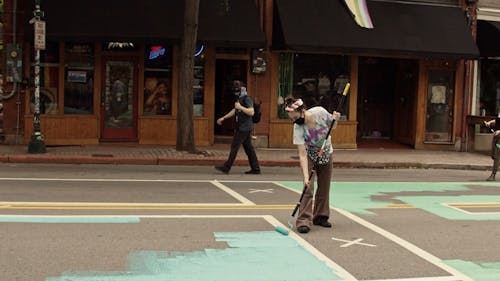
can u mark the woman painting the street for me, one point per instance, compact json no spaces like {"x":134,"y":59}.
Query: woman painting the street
{"x":310,"y":130}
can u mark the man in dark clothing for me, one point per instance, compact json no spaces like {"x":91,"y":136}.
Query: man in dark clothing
{"x":494,"y":125}
{"x":243,"y":110}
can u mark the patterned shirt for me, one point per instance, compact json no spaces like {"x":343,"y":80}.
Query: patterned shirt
{"x":313,"y":138}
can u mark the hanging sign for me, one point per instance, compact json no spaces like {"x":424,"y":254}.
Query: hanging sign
{"x":39,"y":35}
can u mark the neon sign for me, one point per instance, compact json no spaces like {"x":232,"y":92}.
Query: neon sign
{"x":199,"y":50}
{"x":156,"y":51}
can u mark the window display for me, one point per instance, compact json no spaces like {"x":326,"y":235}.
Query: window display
{"x":489,"y":100}
{"x":199,"y":80}
{"x":158,"y":80}
{"x":317,"y":79}
{"x":79,"y":78}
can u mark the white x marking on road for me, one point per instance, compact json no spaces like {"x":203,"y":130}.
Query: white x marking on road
{"x":253,"y":190}
{"x":350,"y":243}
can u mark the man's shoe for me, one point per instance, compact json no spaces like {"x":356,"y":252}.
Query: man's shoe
{"x":491,"y":178}
{"x":254,"y":172}
{"x":322,"y":222}
{"x":222,"y":169}
{"x":303,"y":229}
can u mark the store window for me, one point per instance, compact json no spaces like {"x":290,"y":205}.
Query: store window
{"x":158,"y":80}
{"x":489,"y":97}
{"x":79,"y":78}
{"x":316,"y":79}
{"x":49,"y":79}
{"x":1,"y":25}
{"x":199,"y":80}
{"x":440,"y":101}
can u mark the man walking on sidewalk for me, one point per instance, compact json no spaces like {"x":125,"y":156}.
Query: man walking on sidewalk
{"x":243,"y":110}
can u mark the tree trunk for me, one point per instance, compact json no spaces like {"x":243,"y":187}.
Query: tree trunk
{"x":185,"y":121}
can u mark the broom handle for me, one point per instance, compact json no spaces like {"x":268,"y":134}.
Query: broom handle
{"x":346,"y":89}
{"x":302,"y":195}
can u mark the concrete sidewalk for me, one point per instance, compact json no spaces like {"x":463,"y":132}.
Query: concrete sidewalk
{"x":217,"y":154}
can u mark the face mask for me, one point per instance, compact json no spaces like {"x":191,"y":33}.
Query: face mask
{"x":237,"y":91}
{"x":299,"y":121}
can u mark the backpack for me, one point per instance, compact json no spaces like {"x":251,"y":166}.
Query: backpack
{"x":256,"y":110}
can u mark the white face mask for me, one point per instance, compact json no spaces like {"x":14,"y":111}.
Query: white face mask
{"x":240,"y":92}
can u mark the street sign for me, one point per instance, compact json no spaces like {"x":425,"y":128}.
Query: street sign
{"x":39,"y":35}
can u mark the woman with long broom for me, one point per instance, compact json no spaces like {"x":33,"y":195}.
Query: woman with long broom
{"x":311,"y":131}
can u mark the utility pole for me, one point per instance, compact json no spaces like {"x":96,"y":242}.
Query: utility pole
{"x":37,"y":143}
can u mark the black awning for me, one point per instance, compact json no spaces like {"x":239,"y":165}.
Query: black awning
{"x":402,"y":29}
{"x":111,"y":19}
{"x":488,"y":38}
{"x":149,"y":20}
{"x":239,"y":26}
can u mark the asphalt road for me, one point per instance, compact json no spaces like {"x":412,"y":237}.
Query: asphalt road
{"x":136,"y":223}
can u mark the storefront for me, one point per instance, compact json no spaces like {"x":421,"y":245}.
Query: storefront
{"x":486,"y":99}
{"x":110,"y":69}
{"x":407,"y":74}
{"x":113,"y":76}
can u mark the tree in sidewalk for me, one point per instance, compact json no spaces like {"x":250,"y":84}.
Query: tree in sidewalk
{"x":185,"y":122}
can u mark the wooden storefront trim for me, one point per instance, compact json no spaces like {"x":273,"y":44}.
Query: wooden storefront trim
{"x":64,"y":130}
{"x":155,"y":130}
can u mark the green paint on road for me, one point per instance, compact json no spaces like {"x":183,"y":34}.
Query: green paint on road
{"x":257,"y":256}
{"x":477,"y":271}
{"x":68,"y":219}
{"x":357,"y":197}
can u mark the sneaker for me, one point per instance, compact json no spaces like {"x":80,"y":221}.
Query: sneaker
{"x":303,"y":229}
{"x":222,"y":169}
{"x":254,"y":172}
{"x":491,"y":178}
{"x":322,"y":222}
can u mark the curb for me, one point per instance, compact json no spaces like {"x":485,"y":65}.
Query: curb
{"x":50,"y":159}
{"x":411,"y":165}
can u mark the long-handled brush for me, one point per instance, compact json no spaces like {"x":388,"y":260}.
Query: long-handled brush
{"x":296,"y":209}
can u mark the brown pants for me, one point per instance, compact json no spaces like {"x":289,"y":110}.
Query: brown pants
{"x":307,"y":213}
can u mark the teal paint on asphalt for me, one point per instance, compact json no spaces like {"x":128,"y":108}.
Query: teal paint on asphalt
{"x":485,"y":271}
{"x":256,"y":256}
{"x":68,"y":219}
{"x":356,"y":197}
{"x":434,"y":205}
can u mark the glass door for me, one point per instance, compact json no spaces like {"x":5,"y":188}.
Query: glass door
{"x":440,"y":103}
{"x":119,"y":100}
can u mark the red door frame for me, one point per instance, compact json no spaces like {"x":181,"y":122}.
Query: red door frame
{"x":119,"y":134}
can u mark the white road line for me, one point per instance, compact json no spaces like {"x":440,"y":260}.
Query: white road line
{"x":353,"y":242}
{"x":135,"y":216}
{"x":267,"y":190}
{"x":336,"y":268}
{"x":118,"y":204}
{"x":438,"y":278}
{"x":233,"y":193}
{"x":98,"y":180}
{"x":407,"y":245}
